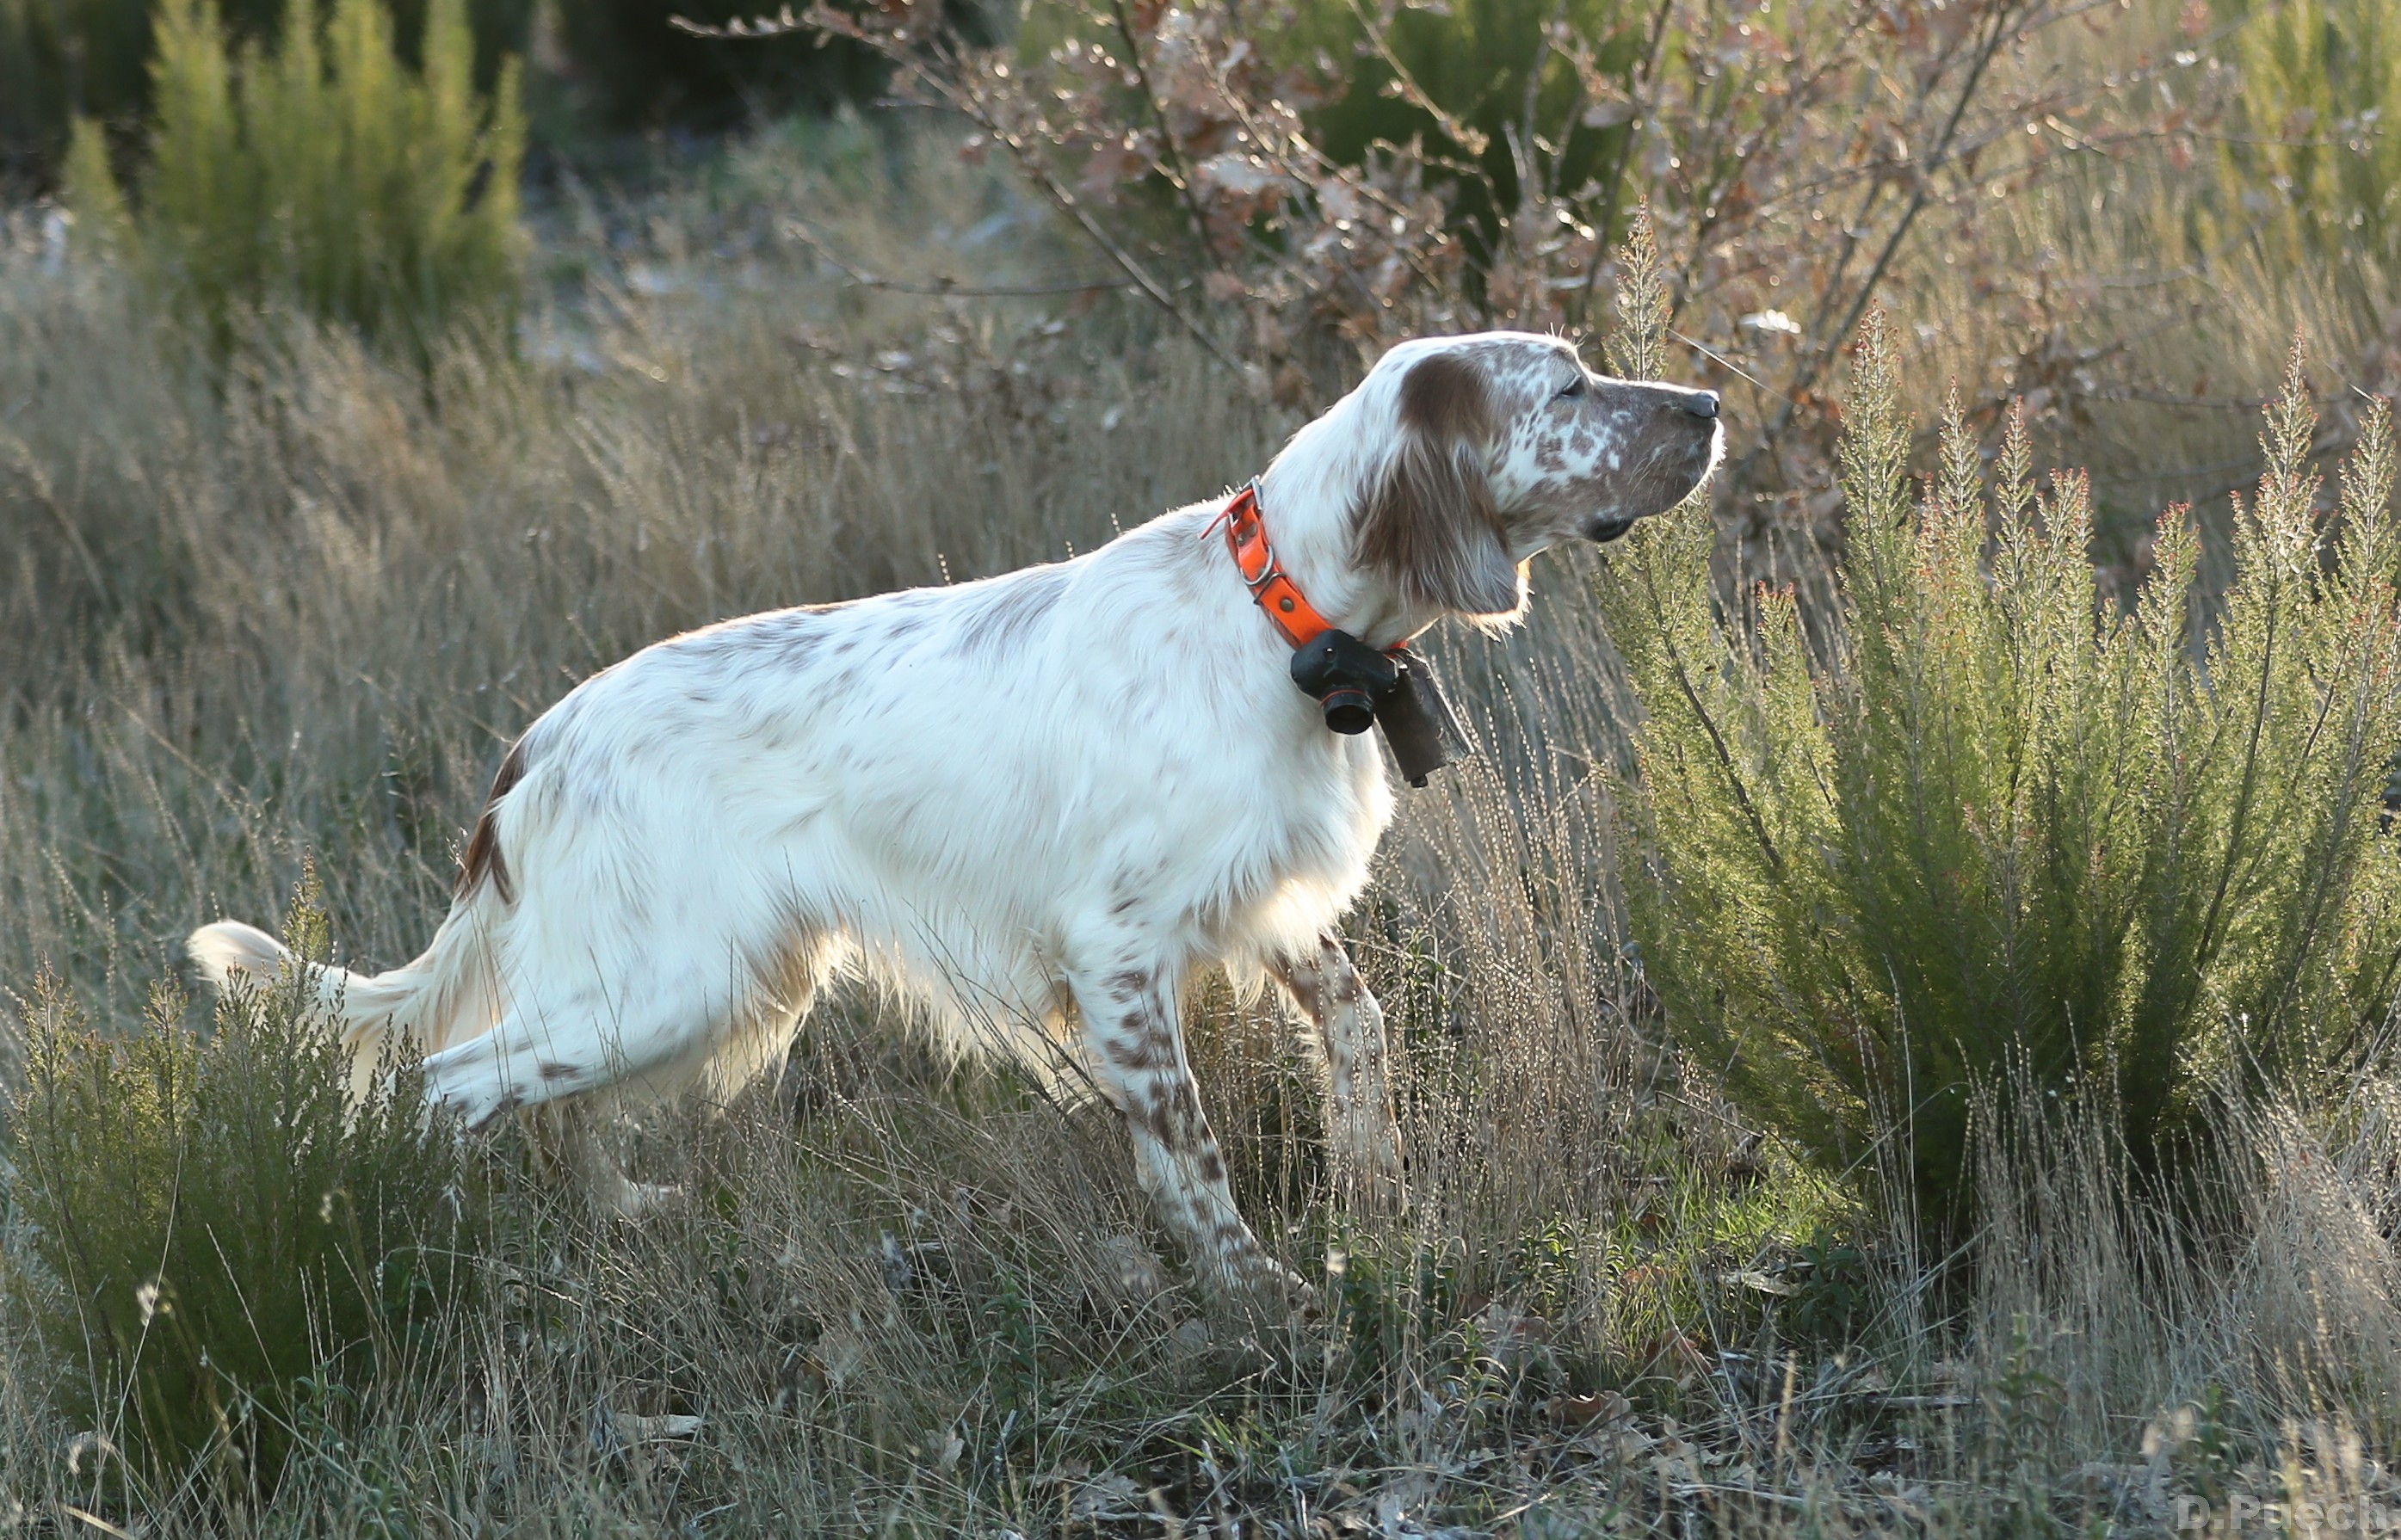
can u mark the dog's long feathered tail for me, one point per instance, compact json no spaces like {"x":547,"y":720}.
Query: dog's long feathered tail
{"x":443,"y":997}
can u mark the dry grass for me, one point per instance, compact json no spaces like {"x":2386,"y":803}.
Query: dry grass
{"x":301,"y":611}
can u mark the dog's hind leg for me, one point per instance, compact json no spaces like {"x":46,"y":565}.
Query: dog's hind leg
{"x":761,"y":1040}
{"x":566,"y":1144}
{"x":1130,"y":1021}
{"x":541,"y":1063}
{"x":1349,"y":1026}
{"x":639,"y":1038}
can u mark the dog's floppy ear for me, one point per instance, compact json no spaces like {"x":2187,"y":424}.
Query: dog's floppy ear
{"x":1427,"y":523}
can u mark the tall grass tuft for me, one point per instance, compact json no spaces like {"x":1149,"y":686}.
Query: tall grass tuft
{"x":1980,"y":832}
{"x":223,"y":1250}
{"x":327,"y":175}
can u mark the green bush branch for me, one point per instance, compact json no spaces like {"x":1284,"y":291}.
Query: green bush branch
{"x":327,"y":175}
{"x":225,"y":1230}
{"x":1998,"y":836}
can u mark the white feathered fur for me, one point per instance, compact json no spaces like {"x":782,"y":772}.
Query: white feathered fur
{"x":1028,"y":801}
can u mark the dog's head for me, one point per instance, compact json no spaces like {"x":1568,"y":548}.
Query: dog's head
{"x":1500,"y":444}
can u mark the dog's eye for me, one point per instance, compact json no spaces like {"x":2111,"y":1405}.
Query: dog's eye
{"x":1572,"y":392}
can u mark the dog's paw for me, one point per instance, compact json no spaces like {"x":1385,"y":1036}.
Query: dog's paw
{"x":1370,"y":1180}
{"x":627,"y":1199}
{"x":465,"y":1083}
{"x":1255,"y":1284}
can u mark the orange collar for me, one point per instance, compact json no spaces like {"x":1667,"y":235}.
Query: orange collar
{"x":1279,"y":598}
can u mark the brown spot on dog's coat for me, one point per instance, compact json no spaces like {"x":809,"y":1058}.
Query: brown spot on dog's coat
{"x":483,"y":857}
{"x":1443,"y":397}
{"x":1429,"y":523}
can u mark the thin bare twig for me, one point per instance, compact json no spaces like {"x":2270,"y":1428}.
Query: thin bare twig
{"x":1819,"y":356}
{"x":865,"y":279}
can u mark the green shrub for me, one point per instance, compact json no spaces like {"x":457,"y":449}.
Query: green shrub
{"x":327,"y":175}
{"x":60,"y":60}
{"x":226,"y":1245}
{"x":1991,"y":835}
{"x":2316,"y":170}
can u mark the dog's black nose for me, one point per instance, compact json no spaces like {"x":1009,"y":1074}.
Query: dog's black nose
{"x":1701,"y":404}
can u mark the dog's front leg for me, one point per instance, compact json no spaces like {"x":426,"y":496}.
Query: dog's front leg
{"x":1129,"y":1019}
{"x":1349,"y":1025}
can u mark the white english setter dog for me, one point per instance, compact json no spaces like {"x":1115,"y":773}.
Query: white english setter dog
{"x":1039,"y":800}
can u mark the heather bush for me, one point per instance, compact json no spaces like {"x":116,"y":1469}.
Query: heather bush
{"x":1975,"y":831}
{"x":220,"y":1245}
{"x":60,"y":60}
{"x":328,"y":175}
